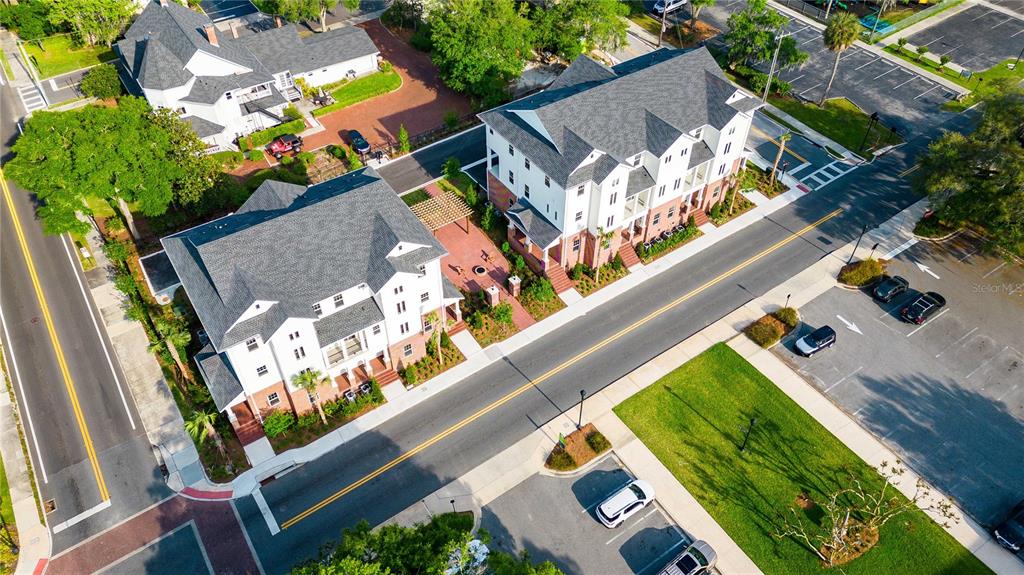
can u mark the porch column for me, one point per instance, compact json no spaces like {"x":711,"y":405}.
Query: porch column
{"x":369,"y":367}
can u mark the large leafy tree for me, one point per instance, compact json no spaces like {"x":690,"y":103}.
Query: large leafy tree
{"x":93,"y":21}
{"x":102,"y":82}
{"x":753,"y":33}
{"x":114,"y":154}
{"x":296,"y":10}
{"x":840,"y":33}
{"x":480,"y":45}
{"x":695,"y":8}
{"x":30,"y":19}
{"x":572,"y":28}
{"x":978,"y":178}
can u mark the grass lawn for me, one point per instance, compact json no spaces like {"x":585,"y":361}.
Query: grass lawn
{"x":982,"y":82}
{"x":653,"y":26}
{"x":362,"y":89}
{"x":7,"y":558}
{"x":59,"y":55}
{"x":691,"y":419}
{"x":8,"y":72}
{"x":416,"y":196}
{"x":839,"y":120}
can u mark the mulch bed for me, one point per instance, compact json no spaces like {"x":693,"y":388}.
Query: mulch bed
{"x":586,"y":284}
{"x":577,"y":448}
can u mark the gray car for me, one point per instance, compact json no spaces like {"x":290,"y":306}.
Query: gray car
{"x":697,"y":559}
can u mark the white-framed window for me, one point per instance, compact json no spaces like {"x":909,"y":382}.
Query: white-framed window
{"x":399,"y":289}
{"x":611,"y":221}
{"x":668,"y":158}
{"x":511,"y":150}
{"x":424,"y":297}
{"x":526,"y":190}
{"x":317,"y":310}
{"x":728,"y":147}
{"x":273,"y":399}
{"x":407,"y":350}
{"x":547,"y":208}
{"x":671,"y":211}
{"x":526,"y":163}
{"x":262,"y":370}
{"x":299,"y":352}
{"x":721,"y":169}
{"x":427,"y":326}
{"x":661,"y":190}
{"x":490,"y":131}
{"x":579,"y":216}
{"x":615,"y":182}
{"x":657,"y":219}
{"x":636,"y":160}
{"x":252,"y":344}
{"x":227,"y":96}
{"x":677,"y":183}
{"x":423,"y":269}
{"x":579,"y":190}
{"x":293,"y":336}
{"x":547,"y":182}
{"x":339,"y":300}
{"x":376,"y":329}
{"x":732,"y":130}
{"x":613,"y":198}
{"x":401,"y":307}
{"x":511,"y":177}
{"x":576,"y":245}
{"x":404,"y":328}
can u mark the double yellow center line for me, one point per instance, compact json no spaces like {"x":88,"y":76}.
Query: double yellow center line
{"x":549,"y":374}
{"x":61,"y":362}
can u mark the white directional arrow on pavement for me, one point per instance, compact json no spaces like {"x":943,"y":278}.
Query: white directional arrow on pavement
{"x":927,"y":270}
{"x":850,"y":325}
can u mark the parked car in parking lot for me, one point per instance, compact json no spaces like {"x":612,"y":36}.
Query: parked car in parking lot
{"x":819,"y":339}
{"x":889,"y":287}
{"x":923,"y":307}
{"x":284,"y":144}
{"x":1010,"y":533}
{"x":669,"y":6}
{"x":624,"y":503}
{"x":699,"y":558}
{"x":359,"y":143}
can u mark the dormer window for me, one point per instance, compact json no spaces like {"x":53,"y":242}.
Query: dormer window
{"x":228,"y":96}
{"x":423,"y":269}
{"x":252,"y":344}
{"x":339,"y":300}
{"x":317,"y":310}
{"x":636,"y":160}
{"x":579,"y":191}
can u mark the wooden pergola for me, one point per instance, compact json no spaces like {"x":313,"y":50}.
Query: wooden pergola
{"x":441,"y":210}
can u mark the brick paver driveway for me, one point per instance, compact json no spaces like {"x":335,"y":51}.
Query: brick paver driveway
{"x":421,"y":103}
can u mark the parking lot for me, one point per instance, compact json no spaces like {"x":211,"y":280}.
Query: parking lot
{"x":948,"y":396}
{"x":220,"y":10}
{"x":976,"y":38}
{"x":553,"y":518}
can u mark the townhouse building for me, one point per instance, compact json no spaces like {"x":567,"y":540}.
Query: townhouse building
{"x":629,"y":152}
{"x":230,"y":82}
{"x":339,"y":277}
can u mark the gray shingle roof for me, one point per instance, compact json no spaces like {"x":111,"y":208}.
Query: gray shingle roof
{"x":639,"y":180}
{"x":700,"y":154}
{"x":220,"y":377}
{"x":348,"y":321}
{"x":537,"y":227}
{"x":282,"y":48}
{"x":203,"y":127}
{"x":644,"y":104}
{"x":449,"y":290}
{"x":295,"y":246}
{"x":274,"y":98}
{"x":209,"y":89}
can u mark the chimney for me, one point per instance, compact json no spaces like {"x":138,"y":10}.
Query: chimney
{"x":163,"y":3}
{"x":234,"y":29}
{"x":277,"y":22}
{"x":211,"y":34}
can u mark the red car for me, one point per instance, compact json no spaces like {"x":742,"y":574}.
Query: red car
{"x":284,"y":144}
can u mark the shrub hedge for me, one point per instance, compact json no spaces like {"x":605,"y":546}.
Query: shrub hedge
{"x":861,"y":273}
{"x":598,"y":442}
{"x":278,"y":423}
{"x":788,"y":316}
{"x":765,"y":332}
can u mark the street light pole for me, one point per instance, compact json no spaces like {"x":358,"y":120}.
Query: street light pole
{"x":863,"y":231}
{"x":871,"y":124}
{"x":789,"y":295}
{"x":873,"y":248}
{"x":583,"y":395}
{"x":771,"y":69}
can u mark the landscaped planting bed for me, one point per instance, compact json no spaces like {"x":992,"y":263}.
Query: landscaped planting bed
{"x":285,"y":431}
{"x":676,"y":240}
{"x":488,"y":325}
{"x":428,"y":366}
{"x":578,"y":448}
{"x":754,"y":178}
{"x":734,"y":200}
{"x":587,"y":280}
{"x":694,"y":421}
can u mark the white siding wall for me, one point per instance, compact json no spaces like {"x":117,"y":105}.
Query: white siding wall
{"x":284,"y":348}
{"x":245,"y":363}
{"x":203,"y":64}
{"x":609,"y":200}
{"x":575,"y":203}
{"x":409,"y":288}
{"x":362,"y":66}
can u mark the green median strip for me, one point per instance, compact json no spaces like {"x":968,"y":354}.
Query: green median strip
{"x":694,"y":420}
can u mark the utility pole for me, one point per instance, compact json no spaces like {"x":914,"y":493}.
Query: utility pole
{"x":863,"y":231}
{"x":771,"y":70}
{"x":871,"y":124}
{"x":664,"y":14}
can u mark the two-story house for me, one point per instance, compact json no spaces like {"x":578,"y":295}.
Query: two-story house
{"x":227,"y":84}
{"x":339,"y":277}
{"x":629,"y":151}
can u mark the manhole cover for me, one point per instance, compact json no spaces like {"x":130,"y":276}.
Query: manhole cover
{"x":479,"y":270}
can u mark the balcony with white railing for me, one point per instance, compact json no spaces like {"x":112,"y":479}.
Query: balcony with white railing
{"x":637,"y":204}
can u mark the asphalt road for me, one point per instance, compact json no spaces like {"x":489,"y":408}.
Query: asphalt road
{"x":426,"y":164}
{"x":868,"y":195}
{"x":56,"y":440}
{"x":947,"y":396}
{"x":976,"y":38}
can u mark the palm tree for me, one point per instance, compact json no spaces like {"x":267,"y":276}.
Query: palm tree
{"x":174,"y":335}
{"x":200,"y":427}
{"x":840,"y":33}
{"x":778,"y":156}
{"x":310,"y":380}
{"x":883,"y":5}
{"x":695,"y":7}
{"x":604,"y":241}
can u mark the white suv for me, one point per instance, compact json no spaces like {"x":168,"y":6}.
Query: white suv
{"x":668,"y":6}
{"x":624,"y":503}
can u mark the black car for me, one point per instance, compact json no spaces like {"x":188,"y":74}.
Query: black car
{"x":817,"y":340}
{"x":1010,"y":533}
{"x":889,"y":287}
{"x":923,"y":307}
{"x":359,"y":143}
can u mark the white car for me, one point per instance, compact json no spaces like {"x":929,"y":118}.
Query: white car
{"x":698,"y":559}
{"x":624,"y":503}
{"x":667,"y":6}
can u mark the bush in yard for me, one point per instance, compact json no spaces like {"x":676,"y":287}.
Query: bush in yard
{"x":944,"y":59}
{"x":305,"y":157}
{"x":560,"y":460}
{"x":471,"y":197}
{"x":518,"y":263}
{"x":921,"y":51}
{"x":716,"y":211}
{"x":420,"y":39}
{"x":278,"y":422}
{"x":451,"y":119}
{"x":310,"y":419}
{"x":385,"y":66}
{"x":452,"y":168}
{"x":291,"y":112}
{"x":102,"y":82}
{"x":287,"y":160}
{"x":502,"y":313}
{"x":765,"y":332}
{"x":403,"y":139}
{"x":475,"y":320}
{"x":487,"y":219}
{"x":505,"y":248}
{"x":861,"y":273}
{"x":598,"y":442}
{"x":264,"y":137}
{"x":116,"y":250}
{"x":338,"y":152}
{"x":540,"y":290}
{"x":411,"y":377}
{"x":617,"y":264}
{"x":787,"y":316}
{"x":354,"y":163}
{"x":578,"y":272}
{"x":446,"y":341}
{"x":229,"y":159}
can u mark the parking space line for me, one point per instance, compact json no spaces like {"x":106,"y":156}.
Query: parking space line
{"x":994,"y":270}
{"x":893,"y":69}
{"x":1018,"y":33}
{"x":986,"y":362}
{"x":969,"y":254}
{"x":635,"y":523}
{"x":844,"y":378}
{"x":924,"y":325}
{"x":1001,"y":23}
{"x":867,"y":64}
{"x":660,"y":558}
{"x":1008,"y":392}
{"x":935,"y":40}
{"x":950,"y":346}
{"x":925,"y":92}
{"x":811,"y":88}
{"x":791,"y":80}
{"x":912,"y":78}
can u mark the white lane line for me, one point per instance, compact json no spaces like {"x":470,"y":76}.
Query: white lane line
{"x":798,"y":168}
{"x":925,"y":92}
{"x":994,"y":270}
{"x":969,"y":254}
{"x":844,"y":378}
{"x":23,"y":399}
{"x":893,"y":69}
{"x":245,"y":533}
{"x":867,"y":64}
{"x":899,"y":249}
{"x":986,"y":362}
{"x":635,"y":523}
{"x":65,"y":239}
{"x":912,"y":78}
{"x":191,"y":523}
{"x":928,"y":323}
{"x":268,"y":515}
{"x":1001,"y":23}
{"x":81,"y":516}
{"x":955,"y":343}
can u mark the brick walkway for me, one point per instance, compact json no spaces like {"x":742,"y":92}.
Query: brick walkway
{"x":421,"y":103}
{"x":220,"y":536}
{"x":465,"y":252}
